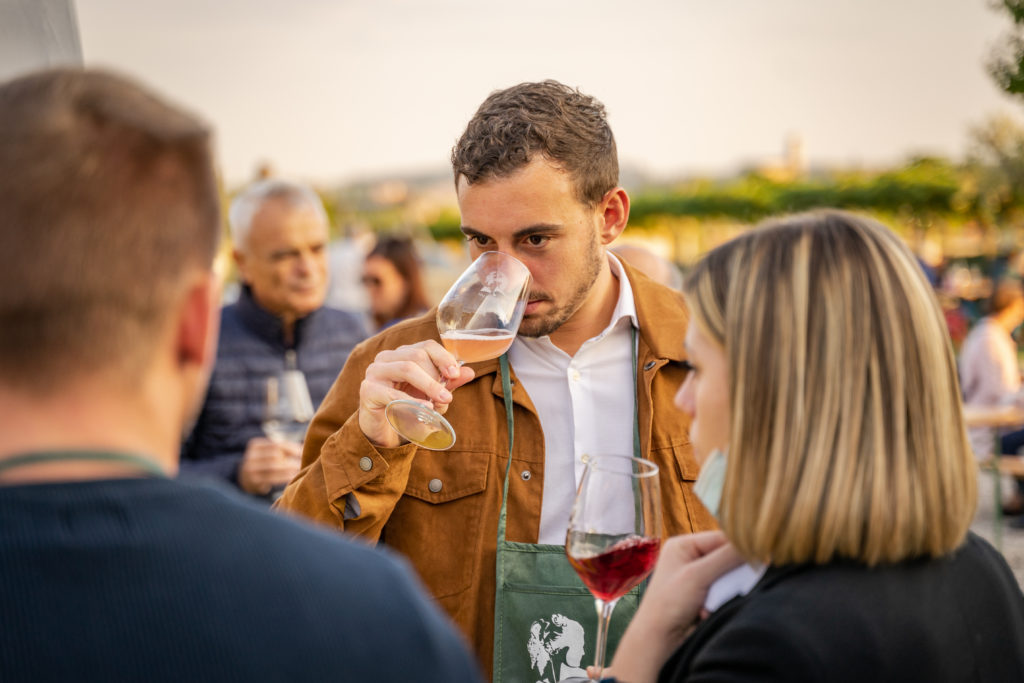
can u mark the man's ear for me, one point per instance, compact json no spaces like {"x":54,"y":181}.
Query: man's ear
{"x":614,"y":210}
{"x":239,"y":258}
{"x":198,"y":321}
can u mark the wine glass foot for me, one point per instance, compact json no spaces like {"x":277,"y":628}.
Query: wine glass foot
{"x":420,"y":425}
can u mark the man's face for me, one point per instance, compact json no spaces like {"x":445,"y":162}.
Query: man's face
{"x":284,"y":259}
{"x":535,"y":216}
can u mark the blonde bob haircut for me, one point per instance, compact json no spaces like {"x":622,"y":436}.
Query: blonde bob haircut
{"x":847,"y":437}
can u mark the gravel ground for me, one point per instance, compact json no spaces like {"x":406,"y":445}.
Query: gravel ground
{"x":984,"y":524}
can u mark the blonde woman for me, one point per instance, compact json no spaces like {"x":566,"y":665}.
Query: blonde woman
{"x":826,"y":412}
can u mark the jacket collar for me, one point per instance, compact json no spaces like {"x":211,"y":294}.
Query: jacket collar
{"x":265,"y":324}
{"x":660,"y":311}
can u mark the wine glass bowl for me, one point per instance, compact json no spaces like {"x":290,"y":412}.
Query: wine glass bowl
{"x":614,"y":533}
{"x":288,"y":407}
{"x":478,"y":319}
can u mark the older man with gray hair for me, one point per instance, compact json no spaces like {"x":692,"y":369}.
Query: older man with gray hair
{"x":279,"y":231}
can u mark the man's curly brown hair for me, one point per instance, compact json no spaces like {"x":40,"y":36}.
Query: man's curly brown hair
{"x":560,"y":123}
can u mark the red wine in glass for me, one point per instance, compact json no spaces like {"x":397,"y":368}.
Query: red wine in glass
{"x":613,"y":573}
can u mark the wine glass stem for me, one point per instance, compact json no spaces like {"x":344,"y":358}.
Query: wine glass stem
{"x":445,"y":381}
{"x":604,"y":617}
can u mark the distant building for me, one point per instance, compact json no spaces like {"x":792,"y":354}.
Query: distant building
{"x":792,"y":166}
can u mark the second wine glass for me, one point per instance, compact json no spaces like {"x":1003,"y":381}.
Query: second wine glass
{"x":478,"y":320}
{"x":614,"y":533}
{"x":287,"y":409}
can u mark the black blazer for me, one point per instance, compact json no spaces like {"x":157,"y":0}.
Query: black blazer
{"x":958,"y":618}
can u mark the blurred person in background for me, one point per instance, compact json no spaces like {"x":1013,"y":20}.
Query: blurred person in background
{"x":824,"y":409}
{"x":653,"y":265}
{"x":110,"y":570}
{"x":279,"y":232}
{"x":990,"y":374}
{"x":394,"y":282}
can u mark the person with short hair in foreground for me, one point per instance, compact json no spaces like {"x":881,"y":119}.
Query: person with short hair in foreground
{"x":826,"y":413}
{"x":111,"y":570}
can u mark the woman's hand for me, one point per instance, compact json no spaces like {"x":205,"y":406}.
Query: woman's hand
{"x":673,"y":603}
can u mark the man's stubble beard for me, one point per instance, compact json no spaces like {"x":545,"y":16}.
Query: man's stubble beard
{"x":548,"y":323}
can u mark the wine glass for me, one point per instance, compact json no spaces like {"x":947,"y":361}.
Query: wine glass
{"x":287,"y":409}
{"x":614,"y":532}
{"x":478,"y":319}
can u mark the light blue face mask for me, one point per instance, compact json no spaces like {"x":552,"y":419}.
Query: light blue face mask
{"x":711,"y":481}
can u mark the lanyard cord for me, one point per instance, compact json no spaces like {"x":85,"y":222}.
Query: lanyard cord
{"x":142,"y":463}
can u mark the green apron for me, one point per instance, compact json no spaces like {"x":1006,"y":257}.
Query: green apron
{"x":545,"y":619}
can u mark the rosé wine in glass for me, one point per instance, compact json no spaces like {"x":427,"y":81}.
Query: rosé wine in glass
{"x":478,"y":320}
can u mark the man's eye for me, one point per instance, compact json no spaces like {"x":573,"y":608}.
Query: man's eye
{"x":478,"y":240}
{"x":537,"y":240}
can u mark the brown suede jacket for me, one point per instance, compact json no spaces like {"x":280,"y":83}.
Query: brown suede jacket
{"x":440,"y":508}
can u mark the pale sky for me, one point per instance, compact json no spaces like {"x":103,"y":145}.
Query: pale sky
{"x":334,"y":90}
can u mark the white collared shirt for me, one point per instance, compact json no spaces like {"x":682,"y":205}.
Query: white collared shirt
{"x":585,"y":403}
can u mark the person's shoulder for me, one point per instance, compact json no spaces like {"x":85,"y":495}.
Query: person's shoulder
{"x":661,"y":313}
{"x":325,"y":579}
{"x":646,"y":289}
{"x":280,"y":535}
{"x":803,"y":591}
{"x":343,"y":319}
{"x":977,"y":558}
{"x":230,"y":318}
{"x":342,"y":315}
{"x":408,"y":331}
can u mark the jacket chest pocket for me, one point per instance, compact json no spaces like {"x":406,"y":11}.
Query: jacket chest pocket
{"x":683,"y":511}
{"x":437,"y":523}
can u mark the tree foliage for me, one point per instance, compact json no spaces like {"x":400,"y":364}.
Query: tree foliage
{"x":924,"y":187}
{"x":993,"y":183}
{"x":1007,"y":62}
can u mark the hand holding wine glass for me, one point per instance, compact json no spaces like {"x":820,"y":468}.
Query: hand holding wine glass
{"x":269,"y":464}
{"x":673,"y":603}
{"x":478,"y":319}
{"x":614,"y":533}
{"x":288,"y":407}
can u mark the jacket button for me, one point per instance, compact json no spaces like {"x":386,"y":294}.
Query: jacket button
{"x":526,"y":475}
{"x":434,"y":485}
{"x":649,"y":364}
{"x":365,"y":464}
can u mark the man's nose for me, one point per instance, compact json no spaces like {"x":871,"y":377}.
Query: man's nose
{"x":305,"y":264}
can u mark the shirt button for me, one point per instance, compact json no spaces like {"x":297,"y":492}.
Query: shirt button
{"x":434,"y":485}
{"x":575,"y":375}
{"x":365,"y":464}
{"x":649,"y":364}
{"x":526,"y":475}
